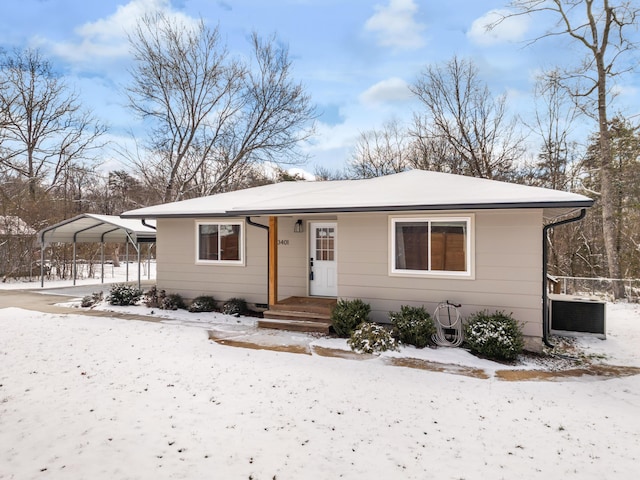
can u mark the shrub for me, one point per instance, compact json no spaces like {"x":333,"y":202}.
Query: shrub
{"x":203,"y":303}
{"x":413,"y":326}
{"x":234,"y":306}
{"x":122,"y":294}
{"x":497,"y":336}
{"x":153,"y":297}
{"x":371,"y":338}
{"x":173,"y":301}
{"x":91,"y":300}
{"x":348,"y":315}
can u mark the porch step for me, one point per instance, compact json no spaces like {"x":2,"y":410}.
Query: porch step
{"x":302,"y":314}
{"x":295,"y":315}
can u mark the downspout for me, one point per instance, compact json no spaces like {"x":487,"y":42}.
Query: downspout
{"x":545,"y":258}
{"x":144,"y":222}
{"x":265,"y":227}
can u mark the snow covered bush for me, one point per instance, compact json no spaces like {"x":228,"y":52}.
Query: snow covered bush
{"x":234,"y":306}
{"x":496,"y":335}
{"x":413,"y":326}
{"x":372,"y":338}
{"x":173,"y":301}
{"x":91,"y":300}
{"x":153,"y":297}
{"x":203,"y":303}
{"x":123,"y":294}
{"x":348,"y":315}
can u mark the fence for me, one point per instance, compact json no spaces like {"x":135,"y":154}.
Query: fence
{"x":599,"y":287}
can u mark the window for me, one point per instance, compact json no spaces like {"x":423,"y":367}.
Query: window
{"x":431,"y":246}
{"x":220,"y":243}
{"x":325,"y":243}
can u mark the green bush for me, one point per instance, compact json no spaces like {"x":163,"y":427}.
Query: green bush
{"x":372,"y":338}
{"x":497,"y":336}
{"x":413,"y":326}
{"x":348,"y":315}
{"x":234,"y":306}
{"x":203,"y":303}
{"x":173,"y":301}
{"x":122,"y":294}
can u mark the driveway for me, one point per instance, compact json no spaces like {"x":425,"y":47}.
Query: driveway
{"x":45,"y":301}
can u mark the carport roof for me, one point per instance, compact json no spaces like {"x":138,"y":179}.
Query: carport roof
{"x":93,"y":228}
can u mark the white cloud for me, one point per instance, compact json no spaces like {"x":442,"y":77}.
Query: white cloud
{"x":391,"y":90}
{"x":396,"y":26}
{"x":107,"y":37}
{"x":511,"y":29}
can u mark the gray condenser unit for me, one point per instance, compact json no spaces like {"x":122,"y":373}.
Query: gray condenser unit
{"x":577,"y":315}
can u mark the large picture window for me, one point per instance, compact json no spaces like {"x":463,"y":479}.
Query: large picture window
{"x":431,"y":246}
{"x":220,"y":242}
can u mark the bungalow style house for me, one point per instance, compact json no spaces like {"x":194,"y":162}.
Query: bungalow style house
{"x":412,"y":238}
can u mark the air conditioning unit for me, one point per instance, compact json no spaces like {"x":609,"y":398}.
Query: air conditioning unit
{"x":576,"y":315}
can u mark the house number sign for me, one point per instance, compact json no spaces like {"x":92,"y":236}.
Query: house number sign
{"x":283,"y":242}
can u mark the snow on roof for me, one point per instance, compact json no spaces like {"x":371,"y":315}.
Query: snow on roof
{"x":93,"y":228}
{"x":411,"y":190}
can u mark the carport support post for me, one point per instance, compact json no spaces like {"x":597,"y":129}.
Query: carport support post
{"x":42,"y":265}
{"x":126,"y":250}
{"x":139,"y":277}
{"x":273,"y":260}
{"x":73,"y":266}
{"x":102,"y":262}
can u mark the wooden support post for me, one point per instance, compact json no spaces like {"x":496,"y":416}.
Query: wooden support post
{"x":273,"y":260}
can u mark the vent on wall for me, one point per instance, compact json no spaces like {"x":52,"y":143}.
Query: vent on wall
{"x":576,"y":315}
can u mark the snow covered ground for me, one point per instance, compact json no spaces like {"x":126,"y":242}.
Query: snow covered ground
{"x":108,"y":398}
{"x":111,"y":275}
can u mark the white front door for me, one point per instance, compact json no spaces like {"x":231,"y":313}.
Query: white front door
{"x":323,"y":272}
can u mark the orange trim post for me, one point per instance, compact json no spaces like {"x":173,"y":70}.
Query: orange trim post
{"x":273,"y":260}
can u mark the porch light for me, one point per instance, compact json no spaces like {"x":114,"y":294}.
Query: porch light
{"x":297,"y":228}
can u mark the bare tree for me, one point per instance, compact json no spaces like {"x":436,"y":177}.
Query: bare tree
{"x":209,"y":112}
{"x":461,"y":110}
{"x":434,"y":153}
{"x":553,"y":122}
{"x":43,"y":128}
{"x":380,"y":152}
{"x":603,"y":30}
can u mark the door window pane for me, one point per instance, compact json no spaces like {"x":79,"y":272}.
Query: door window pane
{"x":325,"y":243}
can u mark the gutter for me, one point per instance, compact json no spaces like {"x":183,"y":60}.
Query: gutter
{"x":264,"y":227}
{"x":367,"y":209}
{"x":545,"y":257}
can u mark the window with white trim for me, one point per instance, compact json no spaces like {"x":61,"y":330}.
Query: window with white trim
{"x":220,"y":242}
{"x":431,"y":245}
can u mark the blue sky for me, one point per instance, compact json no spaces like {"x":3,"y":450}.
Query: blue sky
{"x":355,"y":57}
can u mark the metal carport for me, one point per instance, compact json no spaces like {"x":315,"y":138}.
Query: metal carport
{"x":93,"y":228}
